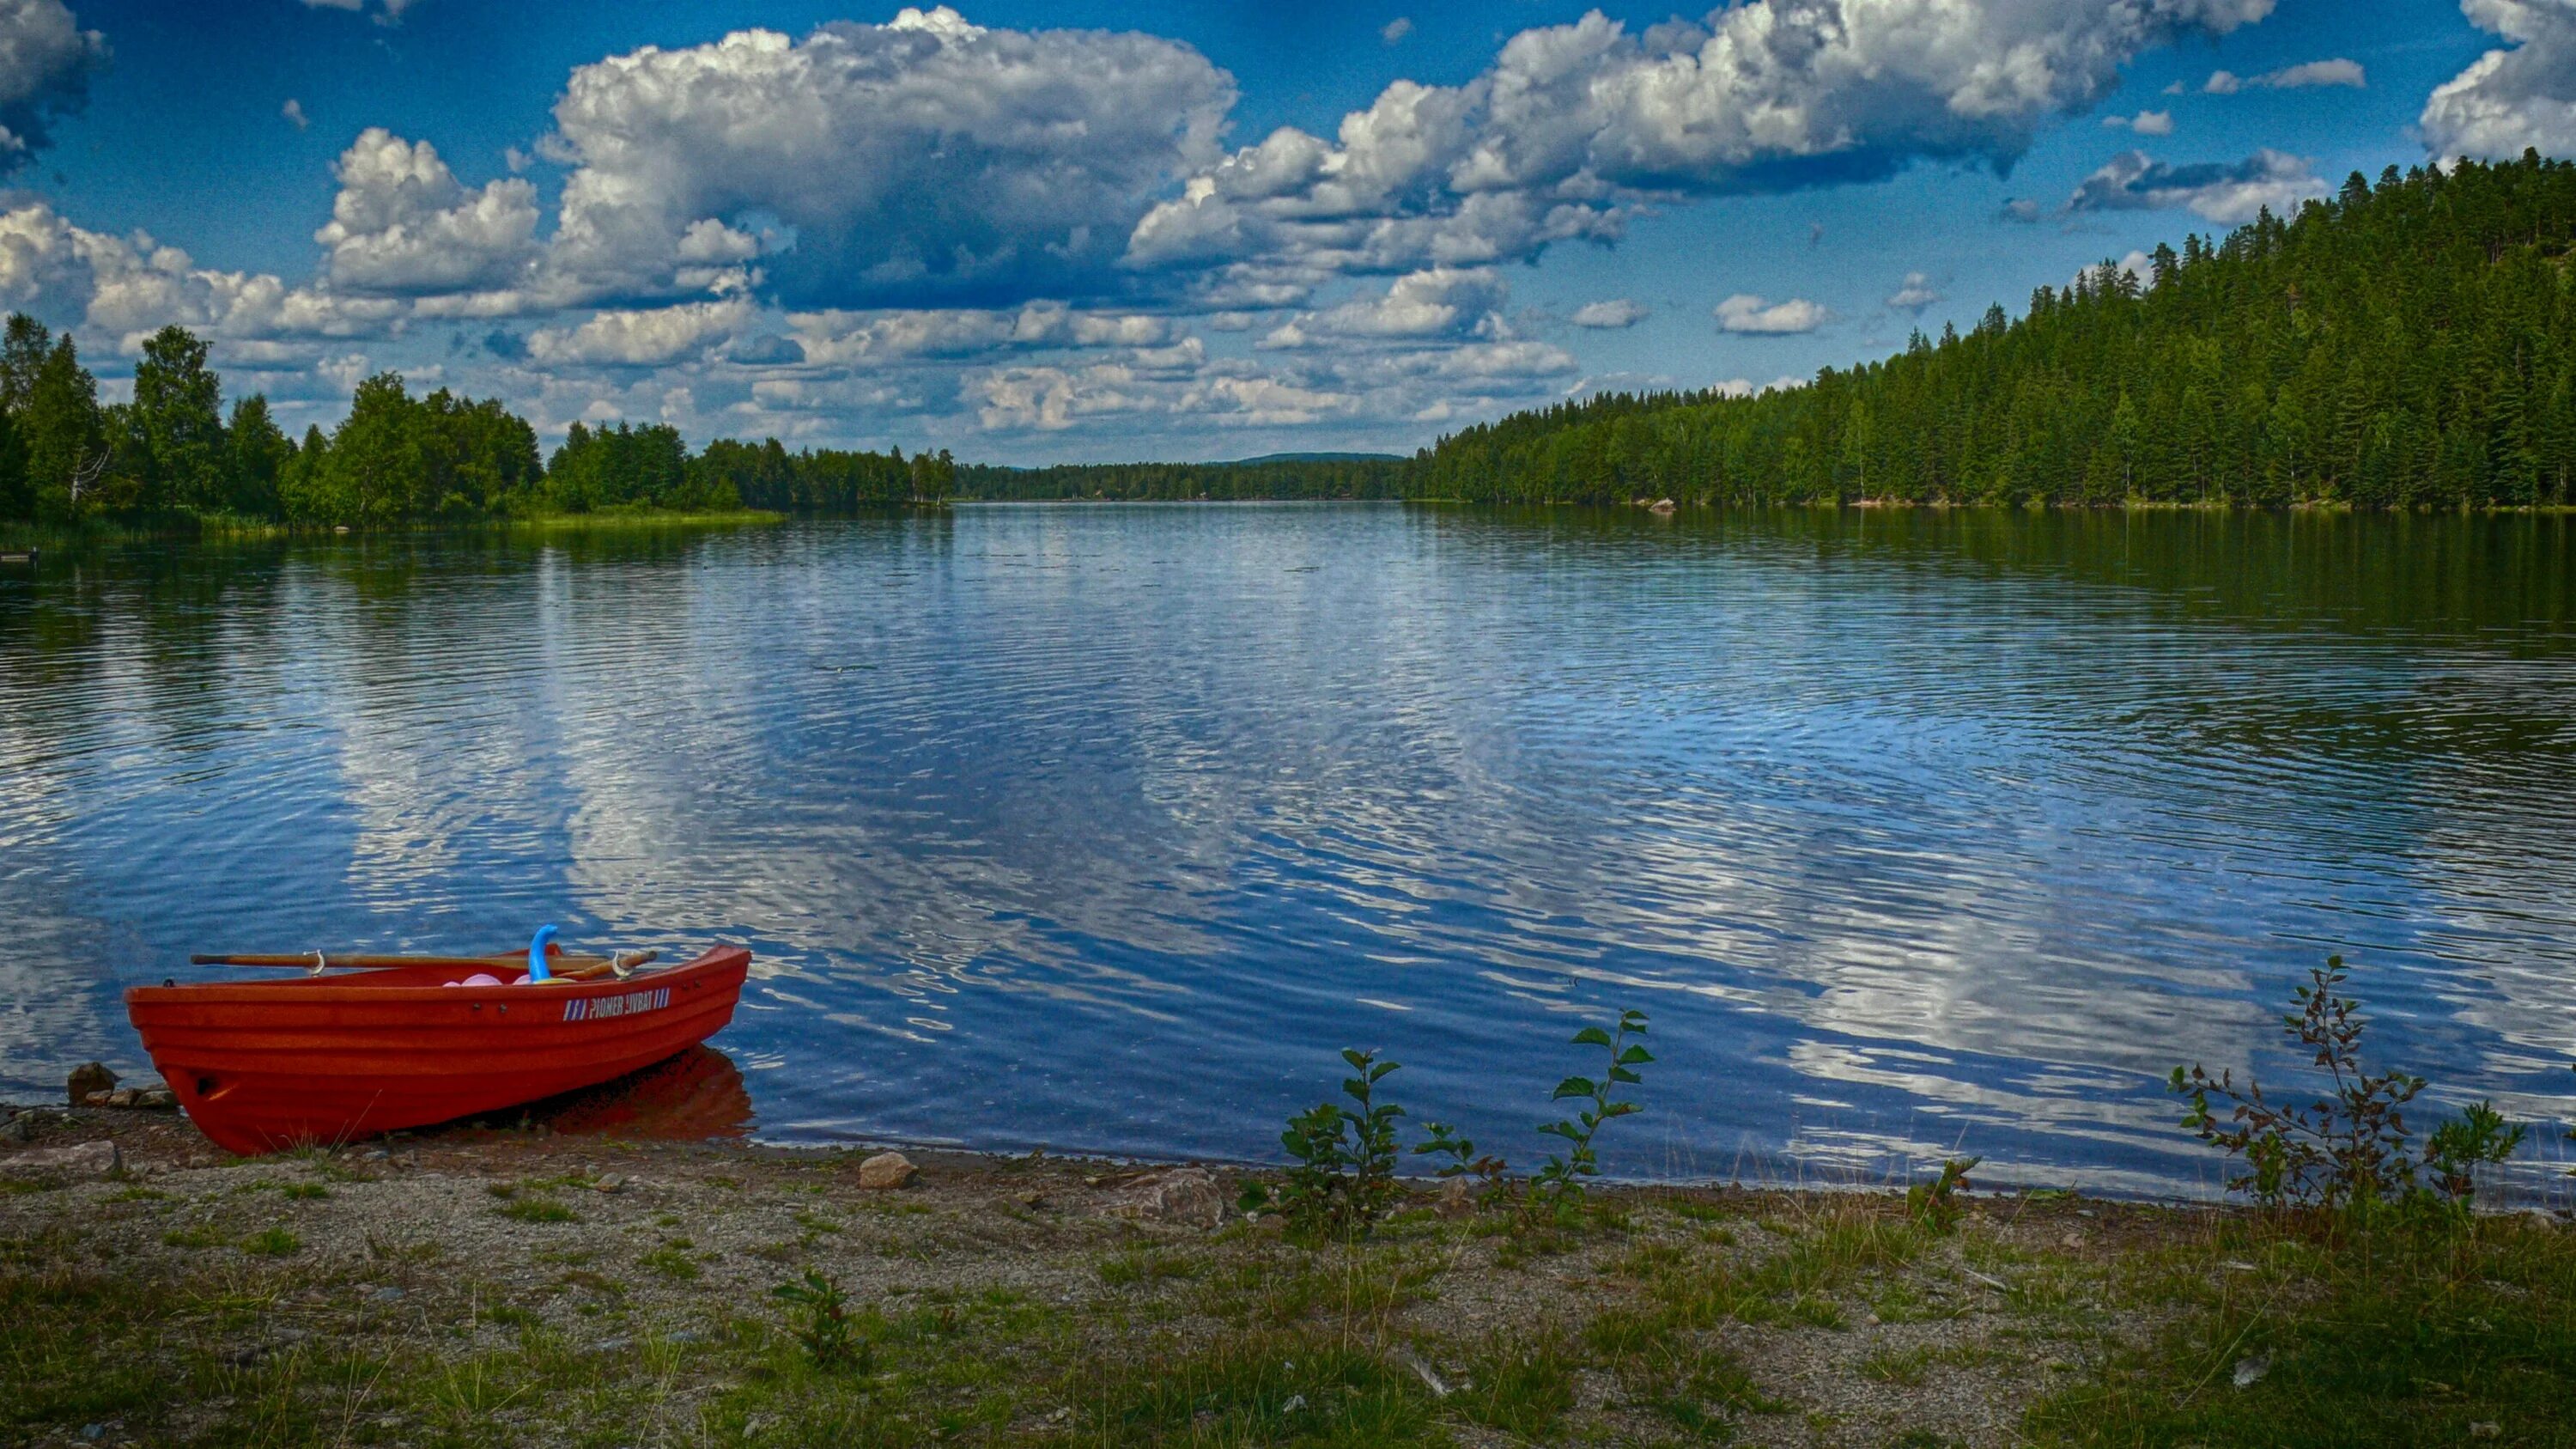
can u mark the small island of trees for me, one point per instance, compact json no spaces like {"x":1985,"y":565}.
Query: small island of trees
{"x":174,"y":456}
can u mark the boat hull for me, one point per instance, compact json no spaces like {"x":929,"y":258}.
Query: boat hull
{"x":266,"y":1066}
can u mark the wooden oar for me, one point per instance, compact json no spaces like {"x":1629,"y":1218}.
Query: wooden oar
{"x":571,"y":968}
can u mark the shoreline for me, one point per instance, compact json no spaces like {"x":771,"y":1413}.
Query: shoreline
{"x":530,"y":1286}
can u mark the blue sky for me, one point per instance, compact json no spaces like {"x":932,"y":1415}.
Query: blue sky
{"x":1090,"y":231}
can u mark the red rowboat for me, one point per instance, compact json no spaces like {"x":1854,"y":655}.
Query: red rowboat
{"x":262,"y":1066}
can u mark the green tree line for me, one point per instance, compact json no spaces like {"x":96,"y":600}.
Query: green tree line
{"x":174,"y":454}
{"x":1306,"y":478}
{"x":2408,"y":344}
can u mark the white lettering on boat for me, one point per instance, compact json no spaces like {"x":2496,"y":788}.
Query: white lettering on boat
{"x":596,"y":1008}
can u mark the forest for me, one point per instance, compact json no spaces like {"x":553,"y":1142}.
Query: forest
{"x":2405,"y":345}
{"x":173,"y":456}
{"x":1318,"y":477}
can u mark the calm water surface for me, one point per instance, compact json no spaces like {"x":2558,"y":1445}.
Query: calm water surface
{"x":1102,"y":827}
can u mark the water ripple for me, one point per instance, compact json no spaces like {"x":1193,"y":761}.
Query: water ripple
{"x":1102,"y":827}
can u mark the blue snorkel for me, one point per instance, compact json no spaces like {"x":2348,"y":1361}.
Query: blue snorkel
{"x":537,"y":954}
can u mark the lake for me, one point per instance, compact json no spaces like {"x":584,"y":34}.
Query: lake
{"x":1103,"y":827}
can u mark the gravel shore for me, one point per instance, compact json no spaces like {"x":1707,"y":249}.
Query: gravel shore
{"x":527,"y":1286}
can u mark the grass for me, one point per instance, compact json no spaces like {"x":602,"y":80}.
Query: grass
{"x":272,"y":1243}
{"x":1646,"y":1326}
{"x":2397,"y":1334}
{"x":537,"y":1210}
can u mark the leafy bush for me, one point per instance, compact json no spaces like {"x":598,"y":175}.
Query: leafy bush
{"x":1562,"y":1177}
{"x":818,"y":1315}
{"x":1342,"y":1173}
{"x":1935,"y":1205}
{"x":2347,"y":1149}
{"x":1463,"y":1159}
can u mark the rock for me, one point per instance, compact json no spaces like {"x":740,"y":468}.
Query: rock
{"x":2486,"y":1429}
{"x":612,"y":1345}
{"x":156,"y":1099}
{"x":1661,"y":505}
{"x":2250,"y":1371}
{"x":91,"y":1079}
{"x":122,"y":1097}
{"x":89,"y":1159}
{"x":1457,"y":1198}
{"x":387,"y":1294}
{"x":1189,"y":1195}
{"x":887,"y":1170}
{"x":609,"y":1182}
{"x":19,"y":1128}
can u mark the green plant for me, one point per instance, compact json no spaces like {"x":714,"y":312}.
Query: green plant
{"x":1342,"y":1173}
{"x":818,"y":1316}
{"x":1562,"y":1177}
{"x":2479,"y":1134}
{"x":1935,"y":1204}
{"x":1463,"y":1159}
{"x":2348,"y":1148}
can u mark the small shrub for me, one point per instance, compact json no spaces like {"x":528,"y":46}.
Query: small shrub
{"x":818,"y":1316}
{"x":1562,"y":1177}
{"x":2480,"y":1134}
{"x":2347,"y":1149}
{"x":1342,"y":1174}
{"x":1935,"y":1205}
{"x":1463,"y":1159}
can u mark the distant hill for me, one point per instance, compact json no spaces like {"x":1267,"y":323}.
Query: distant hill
{"x":2411,"y":344}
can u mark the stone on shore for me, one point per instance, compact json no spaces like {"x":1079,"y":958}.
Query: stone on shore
{"x":88,"y":1159}
{"x":90,"y":1084}
{"x":1190,"y":1195}
{"x":887,"y":1170}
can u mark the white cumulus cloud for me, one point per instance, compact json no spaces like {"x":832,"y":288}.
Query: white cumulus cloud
{"x":2145,"y":123}
{"x":403,"y":224}
{"x":2306,"y":76}
{"x":1574,"y":126}
{"x":2513,"y":97}
{"x":129,"y":286}
{"x":643,"y":337}
{"x":46,"y":61}
{"x":1747,"y":313}
{"x":1609,"y":315}
{"x":1916,"y":294}
{"x":919,"y":159}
